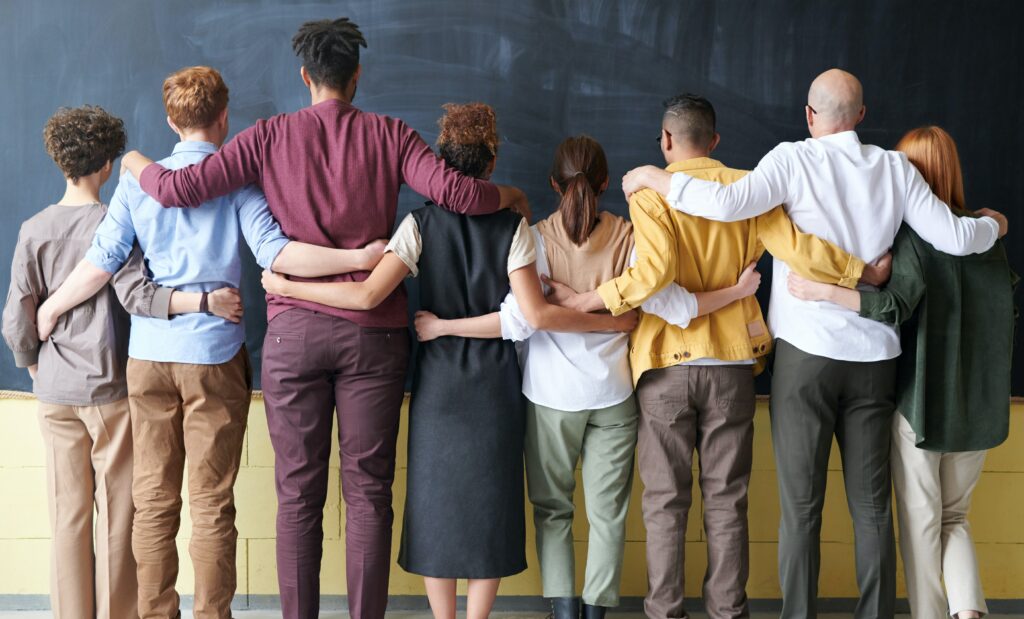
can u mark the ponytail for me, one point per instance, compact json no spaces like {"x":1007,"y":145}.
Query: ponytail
{"x":580,"y":170}
{"x":578,"y":208}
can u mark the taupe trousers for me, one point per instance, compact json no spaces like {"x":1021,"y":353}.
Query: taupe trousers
{"x":195,"y":414}
{"x":89,"y":484}
{"x":710,"y":408}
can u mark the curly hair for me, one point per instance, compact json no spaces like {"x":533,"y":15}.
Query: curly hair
{"x":82,"y":140}
{"x":469,"y":137}
{"x":194,"y":97}
{"x":330,"y":50}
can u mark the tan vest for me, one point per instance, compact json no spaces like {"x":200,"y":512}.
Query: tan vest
{"x":603,"y":256}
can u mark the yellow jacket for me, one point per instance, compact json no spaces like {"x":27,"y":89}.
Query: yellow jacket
{"x":703,"y":255}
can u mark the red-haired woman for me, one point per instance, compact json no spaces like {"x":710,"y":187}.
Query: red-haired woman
{"x":957,"y":319}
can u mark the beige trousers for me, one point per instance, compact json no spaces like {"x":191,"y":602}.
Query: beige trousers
{"x":933,"y":496}
{"x":196,"y":415}
{"x":89,"y":486}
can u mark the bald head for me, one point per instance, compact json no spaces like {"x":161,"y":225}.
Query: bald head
{"x":837,"y":100}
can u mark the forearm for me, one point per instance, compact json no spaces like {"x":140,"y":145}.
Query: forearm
{"x":185,"y":302}
{"x":342,"y":295}
{"x":586,"y":302}
{"x":556,"y":318}
{"x":234,"y":165}
{"x":135,"y":162}
{"x":714,"y":300}
{"x":84,"y":282}
{"x":487,"y":326}
{"x":657,"y":179}
{"x":755,"y":194}
{"x":850,"y":299}
{"x":305,"y":260}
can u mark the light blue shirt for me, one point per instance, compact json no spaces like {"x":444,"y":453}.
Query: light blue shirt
{"x":189,"y":249}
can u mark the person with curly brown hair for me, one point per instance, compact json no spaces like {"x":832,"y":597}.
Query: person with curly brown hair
{"x":189,"y":383}
{"x":79,"y":372}
{"x":464,"y":515}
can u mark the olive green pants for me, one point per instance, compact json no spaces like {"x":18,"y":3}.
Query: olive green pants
{"x":555,"y":441}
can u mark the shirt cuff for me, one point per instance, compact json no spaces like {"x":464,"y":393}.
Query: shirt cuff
{"x":869,"y":301}
{"x":104,"y":260}
{"x":271,"y":250}
{"x":513,"y":326}
{"x":673,"y":304}
{"x":160,"y":306}
{"x":408,"y":262}
{"x":676,"y":187}
{"x":611,"y":298}
{"x":25,"y":358}
{"x":852,"y":274}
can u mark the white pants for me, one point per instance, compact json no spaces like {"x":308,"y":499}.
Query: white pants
{"x":933,"y":496}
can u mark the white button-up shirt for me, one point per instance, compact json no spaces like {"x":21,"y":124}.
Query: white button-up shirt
{"x":582,"y":371}
{"x":852,"y":194}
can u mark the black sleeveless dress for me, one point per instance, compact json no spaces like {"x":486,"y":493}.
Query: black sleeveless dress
{"x":464,"y":515}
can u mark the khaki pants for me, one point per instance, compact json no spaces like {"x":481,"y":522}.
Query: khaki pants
{"x":555,"y":441}
{"x":933,"y":496}
{"x":710,"y":408}
{"x":195,"y":414}
{"x":89,"y":482}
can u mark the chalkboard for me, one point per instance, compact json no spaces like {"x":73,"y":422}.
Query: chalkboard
{"x":551,"y":68}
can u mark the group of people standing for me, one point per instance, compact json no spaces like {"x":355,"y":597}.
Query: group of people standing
{"x":584,"y":338}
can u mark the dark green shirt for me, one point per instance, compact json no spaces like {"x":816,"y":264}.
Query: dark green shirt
{"x":957,"y":320}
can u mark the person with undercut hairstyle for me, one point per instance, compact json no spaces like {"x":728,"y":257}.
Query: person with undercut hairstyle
{"x":695,"y":378}
{"x":464,"y":508}
{"x":579,"y":389}
{"x":78,"y":372}
{"x":834,"y":371}
{"x":331,"y":174}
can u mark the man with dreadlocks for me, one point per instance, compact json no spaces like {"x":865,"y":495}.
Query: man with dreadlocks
{"x":331,"y":174}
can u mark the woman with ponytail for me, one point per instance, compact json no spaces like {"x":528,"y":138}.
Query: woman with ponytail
{"x":578,"y":386}
{"x":464,"y":504}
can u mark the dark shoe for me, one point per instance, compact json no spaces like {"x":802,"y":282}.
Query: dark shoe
{"x":593,"y":612}
{"x":565,"y":608}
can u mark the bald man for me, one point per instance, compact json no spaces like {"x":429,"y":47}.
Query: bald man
{"x":834,"y":371}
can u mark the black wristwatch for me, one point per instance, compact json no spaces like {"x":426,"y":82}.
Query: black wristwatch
{"x":204,"y":303}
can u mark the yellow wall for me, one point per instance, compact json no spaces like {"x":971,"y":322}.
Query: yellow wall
{"x":996,"y":518}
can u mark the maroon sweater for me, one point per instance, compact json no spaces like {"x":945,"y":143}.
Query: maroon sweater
{"x":331,"y":174}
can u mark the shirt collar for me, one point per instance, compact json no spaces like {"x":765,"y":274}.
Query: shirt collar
{"x":697,"y":163}
{"x":847,"y":137}
{"x":194,"y":146}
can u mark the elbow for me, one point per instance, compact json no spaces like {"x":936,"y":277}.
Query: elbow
{"x":537,"y":318}
{"x":369,"y":299}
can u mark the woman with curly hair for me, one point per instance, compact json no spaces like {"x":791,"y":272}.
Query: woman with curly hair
{"x":956,"y":318}
{"x":464,"y":508}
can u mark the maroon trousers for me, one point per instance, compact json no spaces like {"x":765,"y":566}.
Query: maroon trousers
{"x":314,"y":364}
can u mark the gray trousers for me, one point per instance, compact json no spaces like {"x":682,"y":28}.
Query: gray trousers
{"x":814,"y":398}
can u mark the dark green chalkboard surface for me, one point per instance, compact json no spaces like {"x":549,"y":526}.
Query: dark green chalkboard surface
{"x":551,"y":68}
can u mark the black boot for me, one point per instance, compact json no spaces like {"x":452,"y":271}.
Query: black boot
{"x":593,"y":612}
{"x":565,"y":608}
